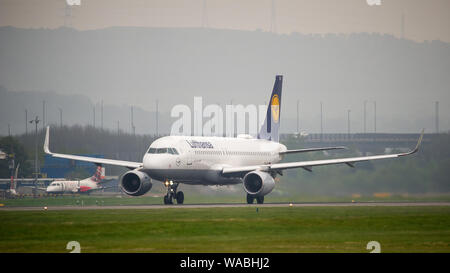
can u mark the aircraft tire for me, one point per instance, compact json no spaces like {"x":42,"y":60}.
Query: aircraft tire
{"x":260,"y":199}
{"x":166,"y":200}
{"x":180,"y":197}
{"x":250,"y":198}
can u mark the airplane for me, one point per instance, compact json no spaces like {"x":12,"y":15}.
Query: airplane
{"x":253,"y":162}
{"x":12,"y":191}
{"x":78,"y":186}
{"x":61,"y":186}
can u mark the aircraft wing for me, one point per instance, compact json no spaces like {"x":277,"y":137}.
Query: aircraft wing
{"x":312,"y":150}
{"x":308,"y":164}
{"x":32,"y":187}
{"x":128,"y":164}
{"x":30,"y":179}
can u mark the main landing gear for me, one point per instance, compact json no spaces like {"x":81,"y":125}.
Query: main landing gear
{"x":172,"y":193}
{"x":251,"y":198}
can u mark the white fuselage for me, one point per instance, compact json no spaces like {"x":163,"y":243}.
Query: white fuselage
{"x":75,"y":186}
{"x":199,"y":160}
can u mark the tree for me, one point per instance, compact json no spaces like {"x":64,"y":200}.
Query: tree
{"x":12,"y":147}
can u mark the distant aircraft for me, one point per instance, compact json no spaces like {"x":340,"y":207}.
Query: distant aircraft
{"x":78,"y":186}
{"x":3,"y":155}
{"x":11,"y":192}
{"x":60,"y":185}
{"x":219,"y":160}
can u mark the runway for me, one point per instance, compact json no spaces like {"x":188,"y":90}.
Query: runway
{"x":234,"y":205}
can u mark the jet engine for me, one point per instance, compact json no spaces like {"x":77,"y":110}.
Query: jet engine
{"x":258,"y":183}
{"x":135,"y":183}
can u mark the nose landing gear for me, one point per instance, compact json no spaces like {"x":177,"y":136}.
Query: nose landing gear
{"x":172,"y":193}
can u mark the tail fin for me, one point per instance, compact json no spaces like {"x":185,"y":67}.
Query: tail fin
{"x":14,"y":179}
{"x":99,"y":174}
{"x":269,"y":130}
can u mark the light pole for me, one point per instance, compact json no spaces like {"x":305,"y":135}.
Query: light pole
{"x":321,"y":121}
{"x":101,"y":113}
{"x":133,"y":128}
{"x":436,"y":106}
{"x":43,"y":114}
{"x":375,"y":116}
{"x":157,"y":118}
{"x":365,"y":103}
{"x":36,"y":121}
{"x":348,"y":123}
{"x":26,"y":122}
{"x":11,"y":167}
{"x":298,"y":117}
{"x":60,"y":117}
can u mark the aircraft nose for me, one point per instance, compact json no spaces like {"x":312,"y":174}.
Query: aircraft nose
{"x":149,"y":162}
{"x":154,"y":162}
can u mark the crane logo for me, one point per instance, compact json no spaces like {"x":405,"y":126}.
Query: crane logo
{"x":275,"y":106}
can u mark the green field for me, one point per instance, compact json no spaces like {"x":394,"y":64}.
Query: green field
{"x":85,"y":200}
{"x":289,"y":229}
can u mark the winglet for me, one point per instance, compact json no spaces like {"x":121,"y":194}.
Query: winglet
{"x":46,"y":149}
{"x":417,"y":146}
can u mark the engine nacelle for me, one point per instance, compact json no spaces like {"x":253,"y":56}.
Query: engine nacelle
{"x":258,"y":183}
{"x":135,"y":183}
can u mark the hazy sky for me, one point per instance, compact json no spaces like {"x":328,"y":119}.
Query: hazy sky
{"x":166,"y":64}
{"x":423,"y":19}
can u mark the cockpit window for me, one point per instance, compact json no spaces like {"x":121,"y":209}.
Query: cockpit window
{"x":162,"y":150}
{"x":172,"y":151}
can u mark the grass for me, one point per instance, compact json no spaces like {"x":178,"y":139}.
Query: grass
{"x":295,"y":229}
{"x":77,"y":200}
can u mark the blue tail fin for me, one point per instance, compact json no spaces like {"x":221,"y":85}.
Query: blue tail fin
{"x":269,"y":130}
